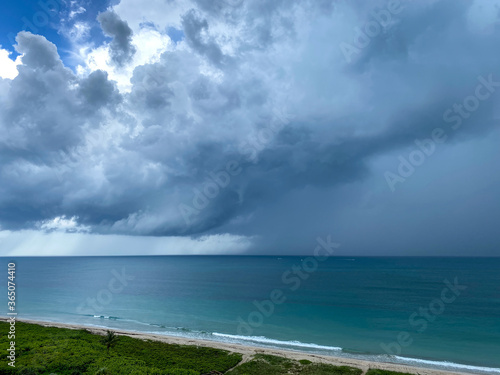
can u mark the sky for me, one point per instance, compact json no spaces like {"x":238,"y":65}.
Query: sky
{"x":151,"y":127}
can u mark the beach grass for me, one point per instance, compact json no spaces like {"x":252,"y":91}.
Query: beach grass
{"x":274,"y":365}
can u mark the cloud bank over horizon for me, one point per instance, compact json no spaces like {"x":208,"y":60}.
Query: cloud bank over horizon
{"x":259,"y":125}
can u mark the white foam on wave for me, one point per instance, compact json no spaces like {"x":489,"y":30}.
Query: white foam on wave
{"x":450,"y":365}
{"x":265,"y":340}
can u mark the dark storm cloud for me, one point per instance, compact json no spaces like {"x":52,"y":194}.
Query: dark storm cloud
{"x":45,"y":119}
{"x":121,"y":48}
{"x":194,"y":26}
{"x":39,"y":104}
{"x":98,"y":91}
{"x":264,"y":85}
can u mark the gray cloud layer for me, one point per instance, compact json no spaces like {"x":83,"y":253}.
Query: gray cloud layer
{"x":263,"y":84}
{"x":121,"y":48}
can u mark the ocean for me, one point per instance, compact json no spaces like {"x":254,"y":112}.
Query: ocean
{"x":433,"y":312}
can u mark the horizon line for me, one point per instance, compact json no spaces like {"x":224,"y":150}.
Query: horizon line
{"x":251,"y":255}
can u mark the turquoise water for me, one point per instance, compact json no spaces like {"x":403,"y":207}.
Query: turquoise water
{"x":356,"y":307}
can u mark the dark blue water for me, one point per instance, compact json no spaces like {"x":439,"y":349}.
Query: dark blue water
{"x":388,"y":309}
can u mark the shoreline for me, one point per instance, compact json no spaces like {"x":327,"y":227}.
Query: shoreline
{"x":248,"y":351}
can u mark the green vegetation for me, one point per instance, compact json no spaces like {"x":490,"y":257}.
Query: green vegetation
{"x":48,"y":350}
{"x":110,"y":339}
{"x":374,"y":371}
{"x":272,"y":365}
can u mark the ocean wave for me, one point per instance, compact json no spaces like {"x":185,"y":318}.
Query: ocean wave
{"x":106,"y":317}
{"x":182,"y":329}
{"x":449,"y":364}
{"x":137,"y":322}
{"x":265,"y":340}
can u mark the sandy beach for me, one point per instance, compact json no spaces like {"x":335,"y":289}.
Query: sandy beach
{"x":249,"y":351}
